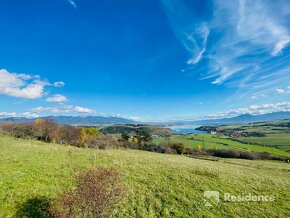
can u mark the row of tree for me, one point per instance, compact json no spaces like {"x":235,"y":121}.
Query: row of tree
{"x":48,"y":131}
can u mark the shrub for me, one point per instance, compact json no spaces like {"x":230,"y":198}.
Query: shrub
{"x":248,"y":155}
{"x":124,"y":137}
{"x":143,"y":135}
{"x":68,"y":135}
{"x":224,"y":153}
{"x":96,"y":193}
{"x":45,"y":129}
{"x":24,"y":130}
{"x":104,"y":142}
{"x":38,"y":206}
{"x":7,"y":127}
{"x":178,"y":147}
{"x":88,"y":136}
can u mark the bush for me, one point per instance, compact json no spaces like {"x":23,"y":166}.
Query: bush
{"x":177,"y":147}
{"x":24,"y":130}
{"x":38,"y":206}
{"x":88,"y":136}
{"x":104,"y":142}
{"x":96,"y":194}
{"x":224,"y":153}
{"x":7,"y":128}
{"x":45,"y":129}
{"x":248,"y":155}
{"x":143,"y":136}
{"x":70,"y":135}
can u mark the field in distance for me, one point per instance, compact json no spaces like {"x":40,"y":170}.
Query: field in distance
{"x":157,"y":185}
{"x":276,"y":134}
{"x":271,"y":137}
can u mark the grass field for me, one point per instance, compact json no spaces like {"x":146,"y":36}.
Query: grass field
{"x":277,"y":133}
{"x":158,"y":185}
{"x":209,"y":141}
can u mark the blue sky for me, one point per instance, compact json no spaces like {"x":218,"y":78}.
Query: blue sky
{"x":147,"y":60}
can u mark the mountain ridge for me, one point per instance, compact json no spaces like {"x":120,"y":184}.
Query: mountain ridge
{"x":98,"y":120}
{"x":73,"y":120}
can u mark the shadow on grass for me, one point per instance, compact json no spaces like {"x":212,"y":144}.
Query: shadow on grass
{"x":36,"y":207}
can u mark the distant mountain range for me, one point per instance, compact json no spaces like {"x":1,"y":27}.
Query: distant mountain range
{"x":98,"y":120}
{"x":244,"y":118}
{"x":73,"y":120}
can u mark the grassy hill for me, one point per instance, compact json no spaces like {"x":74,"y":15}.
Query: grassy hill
{"x":158,"y":185}
{"x":211,"y":141}
{"x":277,"y":133}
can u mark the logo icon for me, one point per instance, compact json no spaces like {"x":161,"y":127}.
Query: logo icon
{"x":211,"y":198}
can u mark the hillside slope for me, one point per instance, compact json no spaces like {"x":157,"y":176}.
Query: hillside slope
{"x":157,"y":184}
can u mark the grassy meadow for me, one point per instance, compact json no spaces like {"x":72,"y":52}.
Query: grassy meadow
{"x":157,"y":185}
{"x":209,"y":141}
{"x":277,"y":133}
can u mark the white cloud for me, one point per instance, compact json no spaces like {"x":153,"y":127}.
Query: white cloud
{"x":193,"y":37}
{"x":58,"y":84}
{"x":246,"y":47}
{"x":84,"y":110}
{"x":50,"y":110}
{"x":64,"y":109}
{"x":57,"y":98}
{"x":280,"y":91}
{"x":253,"y":34}
{"x":254,"y":110}
{"x":8,"y":114}
{"x":22,"y":85}
{"x":194,"y":47}
{"x":29,"y":115}
{"x":72,"y":2}
{"x":13,"y":114}
{"x":135,"y":118}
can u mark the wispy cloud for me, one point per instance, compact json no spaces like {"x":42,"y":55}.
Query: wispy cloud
{"x":72,"y":2}
{"x":192,"y":35}
{"x":58,"y":84}
{"x":249,"y":51}
{"x":243,"y":44}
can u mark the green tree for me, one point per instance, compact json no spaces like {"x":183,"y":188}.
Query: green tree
{"x":143,"y":136}
{"x":125,"y":136}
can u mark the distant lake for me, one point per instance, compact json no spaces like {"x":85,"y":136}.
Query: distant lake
{"x":185,"y":129}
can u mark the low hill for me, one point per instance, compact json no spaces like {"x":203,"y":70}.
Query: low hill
{"x":158,"y":185}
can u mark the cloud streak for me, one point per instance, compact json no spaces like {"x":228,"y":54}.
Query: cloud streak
{"x":193,"y":36}
{"x":72,"y":3}
{"x":243,"y":45}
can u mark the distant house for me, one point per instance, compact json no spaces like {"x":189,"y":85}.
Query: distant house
{"x":213,"y":132}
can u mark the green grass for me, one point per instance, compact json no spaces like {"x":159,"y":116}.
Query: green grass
{"x":277,"y":133}
{"x":269,"y":140}
{"x":158,"y":185}
{"x":211,"y":141}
